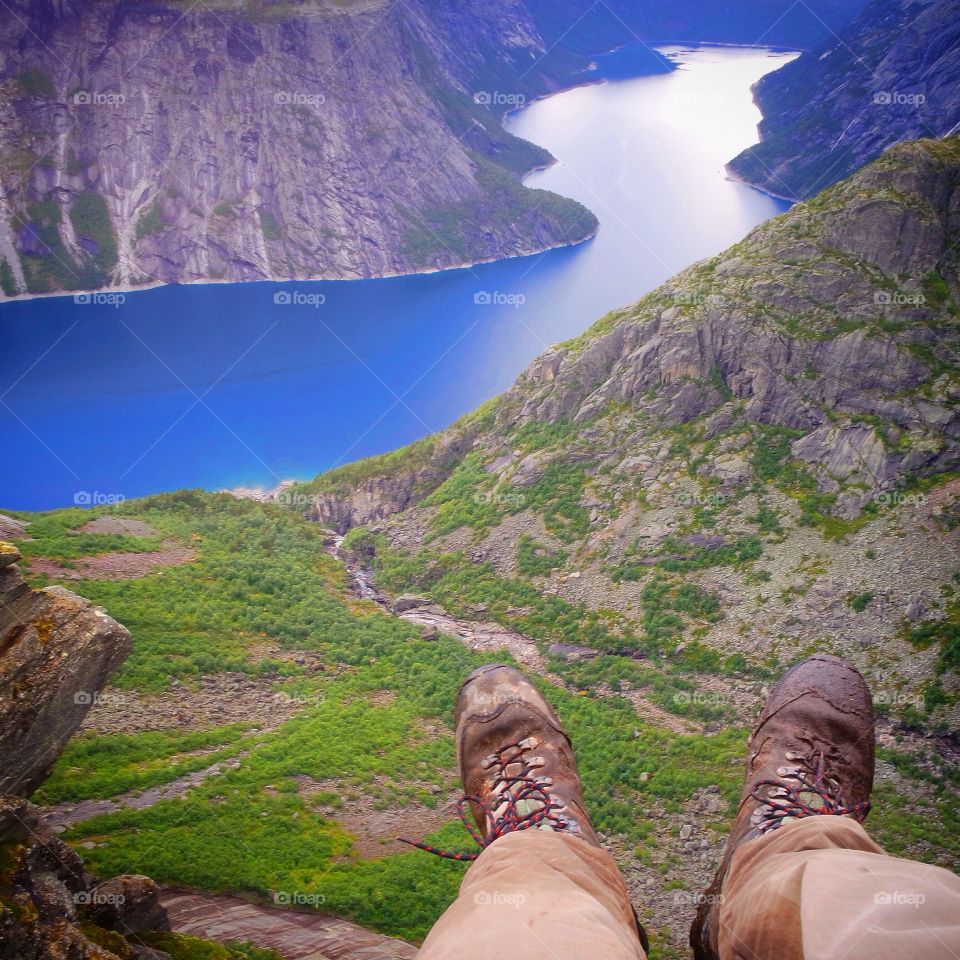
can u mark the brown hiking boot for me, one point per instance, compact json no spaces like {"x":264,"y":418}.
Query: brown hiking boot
{"x":810,"y":754}
{"x":516,"y":760}
{"x":516,"y":765}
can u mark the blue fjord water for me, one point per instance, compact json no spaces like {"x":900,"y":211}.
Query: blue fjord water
{"x":220,"y":385}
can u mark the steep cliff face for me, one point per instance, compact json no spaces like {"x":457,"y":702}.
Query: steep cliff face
{"x":169,"y":143}
{"x":779,"y":420}
{"x":835,"y":321}
{"x":893,"y":74}
{"x":145,"y":142}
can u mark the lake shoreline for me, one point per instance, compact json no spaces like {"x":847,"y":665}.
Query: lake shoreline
{"x":159,"y":284}
{"x":468,"y":264}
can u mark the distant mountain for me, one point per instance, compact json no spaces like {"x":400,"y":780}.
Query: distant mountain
{"x":587,"y":26}
{"x":772,"y":412}
{"x":243,"y":140}
{"x":893,"y":74}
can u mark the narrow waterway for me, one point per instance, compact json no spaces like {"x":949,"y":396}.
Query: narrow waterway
{"x":247,"y":384}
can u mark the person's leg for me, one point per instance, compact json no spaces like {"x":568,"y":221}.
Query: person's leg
{"x":800,"y":879}
{"x":821,"y":888}
{"x":538,"y":894}
{"x":543,"y":886}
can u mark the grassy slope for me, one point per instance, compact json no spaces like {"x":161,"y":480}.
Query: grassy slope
{"x":261,"y":576}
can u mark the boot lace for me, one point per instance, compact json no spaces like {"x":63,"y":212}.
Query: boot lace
{"x":806,"y":789}
{"x":519,"y":800}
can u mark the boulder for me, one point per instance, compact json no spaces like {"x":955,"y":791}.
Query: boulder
{"x":57,"y":652}
{"x":49,"y":895}
{"x":127,"y":904}
{"x":408,"y":601}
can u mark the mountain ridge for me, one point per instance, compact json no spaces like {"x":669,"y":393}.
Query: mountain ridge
{"x":800,"y":387}
{"x":892,"y":74}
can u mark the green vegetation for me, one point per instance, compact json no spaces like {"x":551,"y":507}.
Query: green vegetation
{"x":58,"y":535}
{"x":8,"y":283}
{"x":471,"y":497}
{"x":466,"y":499}
{"x":91,"y":220}
{"x":679,"y":557}
{"x":935,"y":290}
{"x":269,"y":224}
{"x":35,"y":83}
{"x":106,"y":766}
{"x":556,"y":497}
{"x":181,"y":946}
{"x":150,"y":222}
{"x":860,"y":601}
{"x":535,"y":560}
{"x":771,"y":449}
{"x":459,"y":584}
{"x":538,"y":434}
{"x":373,"y":730}
{"x":448,"y":234}
{"x":343,"y":479}
{"x":54,"y":268}
{"x":946,"y":634}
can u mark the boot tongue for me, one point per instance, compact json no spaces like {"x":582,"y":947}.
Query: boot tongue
{"x":810,"y":799}
{"x":526,"y":808}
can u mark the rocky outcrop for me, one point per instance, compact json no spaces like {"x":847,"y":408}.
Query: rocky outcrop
{"x":833,"y":322}
{"x":145,"y":143}
{"x":293,"y":934}
{"x":57,"y":652}
{"x":893,"y":74}
{"x":52,"y":909}
{"x":168,"y":144}
{"x":358,"y":494}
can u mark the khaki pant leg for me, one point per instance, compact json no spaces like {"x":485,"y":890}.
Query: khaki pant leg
{"x":538,"y":895}
{"x":821,"y":889}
